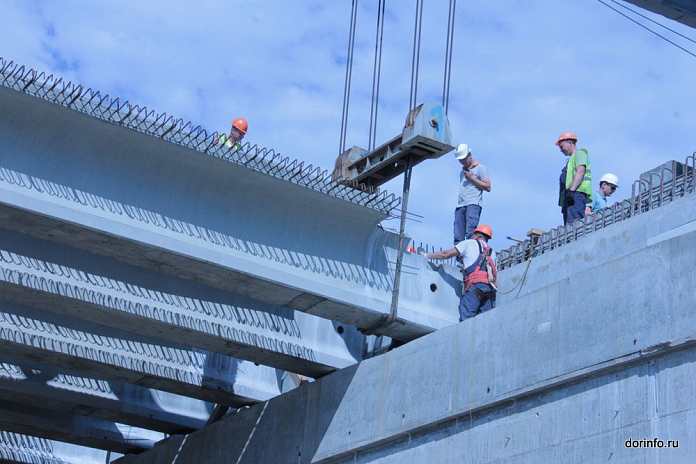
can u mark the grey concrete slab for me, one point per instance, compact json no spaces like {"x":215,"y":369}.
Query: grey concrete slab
{"x":565,"y":373}
{"x":36,"y":336}
{"x":164,"y":207}
{"x":70,"y":392}
{"x":80,"y":430}
{"x":24,"y":449}
{"x":674,"y":219}
{"x":295,"y":342}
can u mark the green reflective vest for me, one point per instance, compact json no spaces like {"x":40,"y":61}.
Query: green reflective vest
{"x":228,"y":143}
{"x":586,"y":184}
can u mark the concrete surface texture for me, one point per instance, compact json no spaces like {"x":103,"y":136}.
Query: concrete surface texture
{"x":138,"y":256}
{"x":147,"y":274}
{"x":142,"y":200}
{"x":598,"y":348}
{"x":19,"y":448}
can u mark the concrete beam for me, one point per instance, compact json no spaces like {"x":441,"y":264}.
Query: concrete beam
{"x":615,"y":242}
{"x":565,"y":373}
{"x":79,"y":430}
{"x":138,"y":199}
{"x":69,"y":392}
{"x":249,"y":330}
{"x":16,"y":448}
{"x":35,"y":336}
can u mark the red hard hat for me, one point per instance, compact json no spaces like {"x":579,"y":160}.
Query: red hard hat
{"x":484,"y":229}
{"x":567,"y":136}
{"x":241,"y":124}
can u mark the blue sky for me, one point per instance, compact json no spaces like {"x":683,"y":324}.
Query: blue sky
{"x":522,"y":73}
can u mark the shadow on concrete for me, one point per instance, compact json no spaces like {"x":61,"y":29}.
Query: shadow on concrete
{"x":290,"y":428}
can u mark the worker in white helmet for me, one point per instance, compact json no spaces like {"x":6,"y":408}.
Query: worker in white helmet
{"x":607,"y":186}
{"x":473,"y":181}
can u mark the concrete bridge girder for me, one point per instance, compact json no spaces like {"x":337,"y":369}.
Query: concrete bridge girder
{"x":80,"y":430}
{"x":227,"y":325}
{"x":16,"y":448}
{"x":114,"y":191}
{"x":65,"y":391}
{"x":34,"y":336}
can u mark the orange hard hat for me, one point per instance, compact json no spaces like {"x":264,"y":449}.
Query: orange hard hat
{"x":484,"y":229}
{"x":410,"y":249}
{"x":566,"y":136}
{"x":241,"y":124}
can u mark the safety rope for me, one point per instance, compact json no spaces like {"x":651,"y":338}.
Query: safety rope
{"x":376,"y":74}
{"x":524,"y":275}
{"x":349,"y":76}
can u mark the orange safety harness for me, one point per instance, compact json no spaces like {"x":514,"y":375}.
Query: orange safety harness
{"x":478,"y":272}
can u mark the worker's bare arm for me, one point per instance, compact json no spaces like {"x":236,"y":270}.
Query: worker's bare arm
{"x":577,"y":178}
{"x":481,"y":184}
{"x":445,"y":254}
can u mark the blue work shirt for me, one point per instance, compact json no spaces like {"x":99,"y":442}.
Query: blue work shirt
{"x":599,"y":203}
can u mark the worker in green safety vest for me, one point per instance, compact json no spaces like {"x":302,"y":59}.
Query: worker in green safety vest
{"x":575,"y":183}
{"x":237,"y":133}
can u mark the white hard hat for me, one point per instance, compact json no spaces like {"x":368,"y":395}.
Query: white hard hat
{"x":461,"y":151}
{"x":610,"y":178}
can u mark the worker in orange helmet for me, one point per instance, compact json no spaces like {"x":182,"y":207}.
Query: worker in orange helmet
{"x":575,"y":190}
{"x":237,"y":132}
{"x":480,"y":272}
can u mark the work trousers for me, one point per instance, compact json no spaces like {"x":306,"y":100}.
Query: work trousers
{"x":470,"y":305}
{"x":576,"y":210}
{"x":466,"y":219}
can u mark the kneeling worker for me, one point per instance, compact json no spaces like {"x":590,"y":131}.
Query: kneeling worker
{"x":480,"y":273}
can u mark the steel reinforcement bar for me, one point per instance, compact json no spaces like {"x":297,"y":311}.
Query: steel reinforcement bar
{"x":267,"y":161}
{"x":648,"y":193}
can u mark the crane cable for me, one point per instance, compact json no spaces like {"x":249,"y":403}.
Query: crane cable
{"x":349,"y":76}
{"x":408,"y":169}
{"x":415,"y":62}
{"x":448,"y":55}
{"x":376,"y":74}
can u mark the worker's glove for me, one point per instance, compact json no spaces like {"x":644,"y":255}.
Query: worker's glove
{"x":422,"y":252}
{"x":570,"y":197}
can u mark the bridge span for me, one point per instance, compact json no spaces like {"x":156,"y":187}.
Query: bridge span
{"x":148,"y":272}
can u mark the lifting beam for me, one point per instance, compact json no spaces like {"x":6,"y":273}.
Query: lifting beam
{"x":426,"y":135}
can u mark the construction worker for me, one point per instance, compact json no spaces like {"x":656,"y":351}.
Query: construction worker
{"x":473,"y":180}
{"x":480,"y":272}
{"x":237,"y":133}
{"x":607,"y":186}
{"x":576,"y":179}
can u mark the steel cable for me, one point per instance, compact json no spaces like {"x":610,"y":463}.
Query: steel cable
{"x":376,"y":74}
{"x":448,"y":55}
{"x":349,"y":76}
{"x":415,"y":62}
